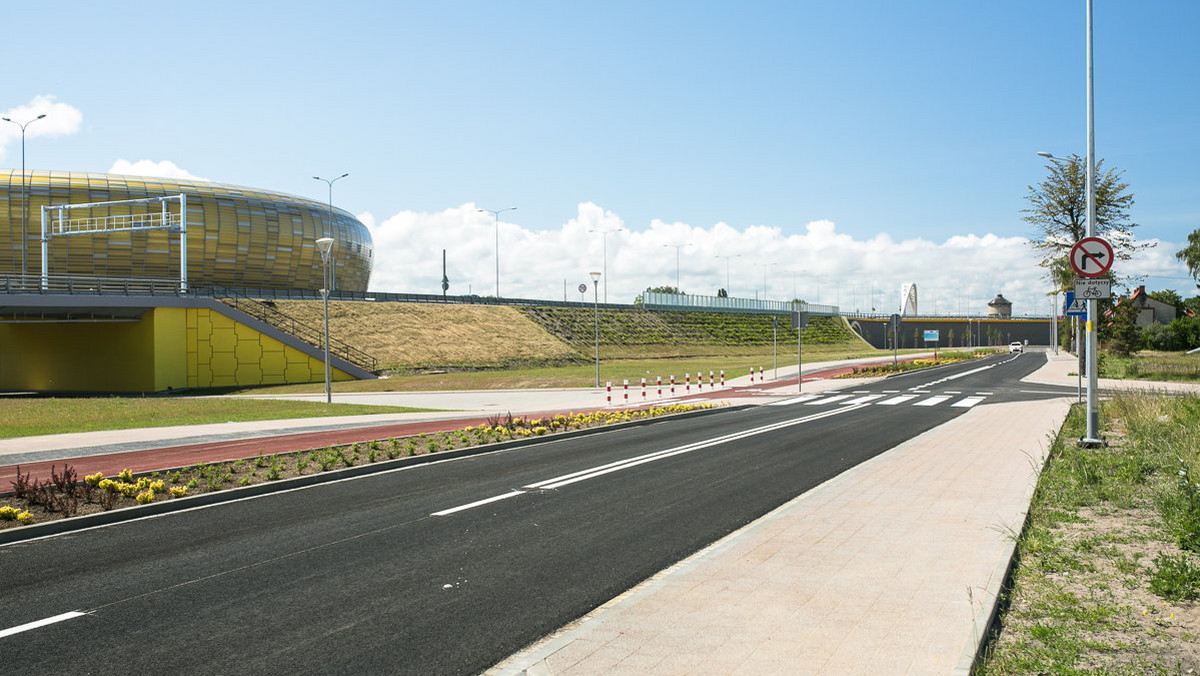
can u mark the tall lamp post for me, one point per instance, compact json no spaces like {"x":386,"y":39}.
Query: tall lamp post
{"x":24,"y":194}
{"x":496,"y":213}
{"x":332,"y":283}
{"x":1091,"y":344}
{"x":727,"y":268}
{"x":596,"y":318}
{"x":604,"y":233}
{"x":677,"y":248}
{"x":325,"y":246}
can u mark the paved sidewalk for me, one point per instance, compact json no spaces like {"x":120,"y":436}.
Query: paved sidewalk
{"x":1061,"y":368}
{"x":890,"y":568}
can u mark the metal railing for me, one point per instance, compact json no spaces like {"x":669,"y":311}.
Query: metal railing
{"x":289,"y":325}
{"x":685,"y":301}
{"x":90,"y":285}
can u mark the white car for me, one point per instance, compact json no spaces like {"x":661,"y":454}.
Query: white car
{"x":1016,"y":346}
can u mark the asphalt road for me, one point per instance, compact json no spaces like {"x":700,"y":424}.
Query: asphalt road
{"x":447,"y":568}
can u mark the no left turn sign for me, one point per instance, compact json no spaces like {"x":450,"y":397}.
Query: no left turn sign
{"x":1091,"y":257}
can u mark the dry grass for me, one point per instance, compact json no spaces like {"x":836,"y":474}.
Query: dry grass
{"x":415,"y":335}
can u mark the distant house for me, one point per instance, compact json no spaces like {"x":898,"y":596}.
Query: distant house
{"x":1149,"y":310}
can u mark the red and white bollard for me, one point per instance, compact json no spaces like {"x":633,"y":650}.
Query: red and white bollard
{"x":609,"y":389}
{"x":722,"y":379}
{"x":710,"y":380}
{"x":643,"y":389}
{"x":659,"y":386}
{"x":672,"y":385}
{"x":626,"y":391}
{"x":687,"y":383}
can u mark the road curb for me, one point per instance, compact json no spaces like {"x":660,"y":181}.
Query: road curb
{"x":59,"y":526}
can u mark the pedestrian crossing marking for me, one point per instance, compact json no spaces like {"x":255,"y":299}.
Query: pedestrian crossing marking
{"x":862,"y":400}
{"x":968,"y":402}
{"x":827,"y":400}
{"x":913,"y":399}
{"x":932,"y":401}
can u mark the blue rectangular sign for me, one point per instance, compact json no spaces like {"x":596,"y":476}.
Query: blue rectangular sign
{"x":1072,"y":308}
{"x":931,"y":335}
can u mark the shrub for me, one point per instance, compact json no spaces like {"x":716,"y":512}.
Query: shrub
{"x":145,"y":497}
{"x":178,"y":491}
{"x":1175,"y":578}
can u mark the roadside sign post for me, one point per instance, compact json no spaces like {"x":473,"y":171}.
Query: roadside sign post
{"x":894,"y":324}
{"x":799,"y":321}
{"x":1091,"y":257}
{"x":932,"y":336}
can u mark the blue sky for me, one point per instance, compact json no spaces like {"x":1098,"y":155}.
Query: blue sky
{"x":905,"y":131}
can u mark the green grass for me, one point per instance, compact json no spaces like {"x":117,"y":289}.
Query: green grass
{"x":1099,"y":557}
{"x":1147,"y":365}
{"x":22,"y":417}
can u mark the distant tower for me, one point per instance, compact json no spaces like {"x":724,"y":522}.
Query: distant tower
{"x":908,"y":299}
{"x":1000,"y":307}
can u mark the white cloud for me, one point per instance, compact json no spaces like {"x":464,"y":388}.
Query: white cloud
{"x":815,"y":262}
{"x":163,"y":169}
{"x":61,"y":119}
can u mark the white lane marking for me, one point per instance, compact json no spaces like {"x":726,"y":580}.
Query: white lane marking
{"x":828,"y":400}
{"x":861,"y":391}
{"x":41,"y":623}
{"x":896,"y":400}
{"x":957,"y":376}
{"x":862,"y":400}
{"x":794,"y":400}
{"x":953,"y":391}
{"x":591,"y":473}
{"x":968,"y":402}
{"x":891,"y":391}
{"x":479,"y":503}
{"x":986,"y":394}
{"x":932,"y":401}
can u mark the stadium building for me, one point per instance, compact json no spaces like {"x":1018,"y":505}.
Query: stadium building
{"x":126,"y":300}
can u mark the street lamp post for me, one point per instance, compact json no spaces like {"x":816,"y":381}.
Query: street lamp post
{"x":604,"y":234}
{"x":496,"y":213}
{"x":727,"y":268}
{"x":677,"y":247}
{"x":24,"y":195}
{"x":332,"y":283}
{"x":596,"y":318}
{"x":325,"y":246}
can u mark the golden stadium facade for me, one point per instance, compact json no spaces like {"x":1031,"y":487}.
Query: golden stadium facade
{"x":236,"y":236}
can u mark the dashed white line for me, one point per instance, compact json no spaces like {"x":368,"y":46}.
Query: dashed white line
{"x":862,"y":400}
{"x":968,"y":402}
{"x":41,"y":623}
{"x":479,"y":503}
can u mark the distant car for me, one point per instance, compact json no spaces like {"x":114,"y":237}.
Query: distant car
{"x":1016,"y":347}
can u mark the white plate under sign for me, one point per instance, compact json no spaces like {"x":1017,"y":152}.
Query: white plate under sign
{"x":1092,"y":288}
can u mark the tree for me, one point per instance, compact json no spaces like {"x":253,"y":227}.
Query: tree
{"x":1190,"y":255}
{"x":722,"y":293}
{"x":1059,"y":212}
{"x":1123,"y":335}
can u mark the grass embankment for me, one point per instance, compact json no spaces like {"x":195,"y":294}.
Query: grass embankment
{"x":1148,"y":365}
{"x":1109,"y":560}
{"x":404,"y":336}
{"x":21,"y":417}
{"x":435,"y":347}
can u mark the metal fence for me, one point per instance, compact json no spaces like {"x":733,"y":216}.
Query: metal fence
{"x":95,"y":286}
{"x":685,"y":301}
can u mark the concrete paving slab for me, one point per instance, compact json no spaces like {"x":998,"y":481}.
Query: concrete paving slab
{"x":891,"y":567}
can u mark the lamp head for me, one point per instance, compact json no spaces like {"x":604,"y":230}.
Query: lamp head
{"x":595,"y":276}
{"x":325,"y":245}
